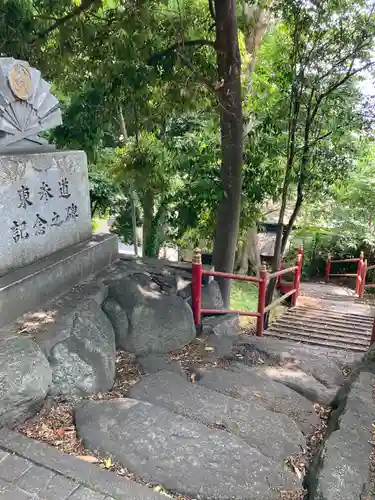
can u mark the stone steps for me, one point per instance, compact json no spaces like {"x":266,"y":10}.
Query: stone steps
{"x":335,"y":336}
{"x":326,"y":323}
{"x":324,"y":342}
{"x":245,"y":420}
{"x":227,"y":435}
{"x":310,"y":311}
{"x":183,"y":455}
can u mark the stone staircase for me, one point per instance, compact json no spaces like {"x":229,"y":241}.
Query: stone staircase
{"x":327,"y":316}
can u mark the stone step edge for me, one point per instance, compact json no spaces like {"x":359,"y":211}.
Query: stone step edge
{"x":105,"y":482}
{"x":313,"y":334}
{"x":329,"y":325}
{"x":304,"y":340}
{"x":328,"y":330}
{"x":324,"y":313}
{"x":309,"y":309}
{"x":346,"y":323}
{"x":330,"y":317}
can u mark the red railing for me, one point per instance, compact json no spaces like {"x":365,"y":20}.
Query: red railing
{"x":365,"y":268}
{"x":198,"y":272}
{"x":358,"y":275}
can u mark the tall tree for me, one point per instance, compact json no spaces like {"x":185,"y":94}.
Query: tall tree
{"x":331,"y":43}
{"x":231,"y":124}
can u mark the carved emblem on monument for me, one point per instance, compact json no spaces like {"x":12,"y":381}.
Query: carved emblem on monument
{"x":20,"y":81}
{"x":27,"y":107}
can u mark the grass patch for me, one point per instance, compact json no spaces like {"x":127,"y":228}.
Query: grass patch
{"x":244,"y":297}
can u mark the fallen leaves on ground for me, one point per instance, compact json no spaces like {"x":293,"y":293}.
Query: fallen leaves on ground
{"x":197,"y":354}
{"x":54,"y":424}
{"x":299,"y":463}
{"x":293,"y":494}
{"x":127,"y":374}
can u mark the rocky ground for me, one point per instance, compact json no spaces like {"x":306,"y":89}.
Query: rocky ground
{"x":126,"y":385}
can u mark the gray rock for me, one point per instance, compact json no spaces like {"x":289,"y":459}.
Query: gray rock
{"x":182,"y":455}
{"x":133,"y":290}
{"x":25,"y":377}
{"x":251,"y":355}
{"x":119,"y":319}
{"x":221,"y":347}
{"x":274,"y":435}
{"x":226,"y":325}
{"x":153,"y":363}
{"x":320,"y":365}
{"x":211,"y":295}
{"x":158,"y":323}
{"x":256,"y":390}
{"x":84,"y":361}
{"x":344,"y":471}
{"x":295,"y":379}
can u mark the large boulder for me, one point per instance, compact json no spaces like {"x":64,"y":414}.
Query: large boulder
{"x":316,"y":363}
{"x":275,"y":397}
{"x":211,"y":295}
{"x":25,"y":377}
{"x":295,"y":379}
{"x":79,"y":344}
{"x":182,"y":455}
{"x":158,"y":323}
{"x":274,"y":435}
{"x":119,"y":319}
{"x":344,"y":471}
{"x":223,"y":325}
{"x":153,"y":363}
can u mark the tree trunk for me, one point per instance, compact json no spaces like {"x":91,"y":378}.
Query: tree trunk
{"x":249,"y":253}
{"x":253,"y":249}
{"x":124,"y":132}
{"x":231,"y":123}
{"x":148,"y":214}
{"x":242,"y":264}
{"x":292,"y":220}
{"x":294,"y":110}
{"x":257,"y":18}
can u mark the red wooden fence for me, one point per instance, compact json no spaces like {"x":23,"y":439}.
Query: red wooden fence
{"x":358,"y":275}
{"x":196,"y":286}
{"x":366,"y":268}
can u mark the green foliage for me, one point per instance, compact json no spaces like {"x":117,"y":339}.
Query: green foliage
{"x":103,"y":57}
{"x":123,"y":223}
{"x":342,"y":223}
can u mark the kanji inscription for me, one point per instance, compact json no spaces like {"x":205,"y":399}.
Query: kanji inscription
{"x":42,"y":223}
{"x":44,"y":205}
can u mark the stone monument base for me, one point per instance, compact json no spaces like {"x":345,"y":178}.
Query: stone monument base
{"x":29,"y":287}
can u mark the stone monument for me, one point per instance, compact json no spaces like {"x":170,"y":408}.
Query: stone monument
{"x":46,"y":244}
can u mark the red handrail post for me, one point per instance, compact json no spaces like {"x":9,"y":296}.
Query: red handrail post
{"x":261,"y":299}
{"x":196,"y":287}
{"x":358,"y":283}
{"x":373,"y":334}
{"x":328,"y":268}
{"x":297,"y":277}
{"x":364,"y":272}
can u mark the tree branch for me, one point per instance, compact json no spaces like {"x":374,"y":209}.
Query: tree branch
{"x":209,"y":85}
{"x":212,"y":10}
{"x":85,"y":5}
{"x":340,"y":82}
{"x":200,"y":42}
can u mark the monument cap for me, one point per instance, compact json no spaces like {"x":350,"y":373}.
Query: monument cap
{"x":27,"y":106}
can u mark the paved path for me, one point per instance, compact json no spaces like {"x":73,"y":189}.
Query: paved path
{"x":327,"y":316}
{"x":33,"y":470}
